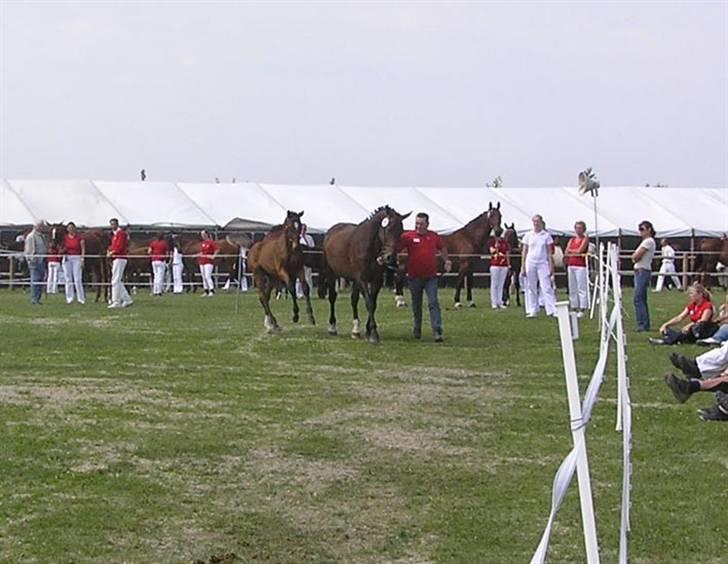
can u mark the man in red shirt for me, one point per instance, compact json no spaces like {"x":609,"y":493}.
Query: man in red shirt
{"x":422,"y":246}
{"x":206,"y":259}
{"x":118,"y":252}
{"x":159,"y":251}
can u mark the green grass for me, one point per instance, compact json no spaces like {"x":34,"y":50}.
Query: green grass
{"x":177,"y":430}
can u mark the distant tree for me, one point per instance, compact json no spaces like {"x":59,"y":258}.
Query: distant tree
{"x":143,"y":174}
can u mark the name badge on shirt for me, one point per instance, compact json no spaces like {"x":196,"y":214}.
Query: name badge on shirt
{"x":416,"y":240}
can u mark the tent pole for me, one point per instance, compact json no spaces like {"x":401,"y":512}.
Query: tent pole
{"x":692,"y":258}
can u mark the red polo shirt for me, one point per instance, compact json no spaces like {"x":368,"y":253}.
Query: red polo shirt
{"x":160,"y":249}
{"x":53,"y":254}
{"x":499,"y":253}
{"x":72,"y":244}
{"x":696,"y":310}
{"x":421,"y":253}
{"x":119,"y":244}
{"x":573,"y":246}
{"x":207,"y":249}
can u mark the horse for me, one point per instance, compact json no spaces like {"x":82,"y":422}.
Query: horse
{"x":468,"y":240}
{"x":360,"y":253}
{"x":95,"y":261}
{"x":279,"y":257}
{"x":712,"y":251}
{"x":514,"y":272}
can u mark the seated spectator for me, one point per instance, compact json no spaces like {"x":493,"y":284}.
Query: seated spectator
{"x":707,"y":372}
{"x":721,"y":335}
{"x":699,"y":311}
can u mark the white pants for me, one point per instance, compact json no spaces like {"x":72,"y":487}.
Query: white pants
{"x":578,"y":287}
{"x":206,"y":271}
{"x":538,"y":281}
{"x":713,"y":362}
{"x":52,"y":283}
{"x":308,"y":275}
{"x":119,"y":295}
{"x":158,"y":267}
{"x":497,"y":281}
{"x":667,"y":268}
{"x":74,"y":279}
{"x":177,"y":278}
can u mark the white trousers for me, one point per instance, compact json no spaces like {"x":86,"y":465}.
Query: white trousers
{"x":206,"y":271}
{"x":713,"y":362}
{"x":308,"y":275}
{"x":538,"y":281}
{"x":74,"y":278}
{"x":177,"y":278}
{"x":119,"y":295}
{"x":159,"y":267}
{"x":497,"y":281}
{"x":578,"y":287}
{"x":54,"y":269}
{"x":666,"y":269}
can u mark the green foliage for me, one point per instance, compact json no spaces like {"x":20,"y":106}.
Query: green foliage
{"x":178,"y":430}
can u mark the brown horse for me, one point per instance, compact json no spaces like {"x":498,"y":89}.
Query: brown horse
{"x":279,"y":257}
{"x":470,"y":240}
{"x":510,"y":236}
{"x":95,"y":262}
{"x":712,"y":251}
{"x":359,"y":253}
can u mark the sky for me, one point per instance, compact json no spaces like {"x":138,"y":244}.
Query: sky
{"x":371,"y":93}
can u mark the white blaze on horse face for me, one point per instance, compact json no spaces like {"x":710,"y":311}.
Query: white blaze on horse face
{"x":385,"y":222}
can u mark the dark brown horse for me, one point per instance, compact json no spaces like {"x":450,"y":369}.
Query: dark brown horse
{"x":471,"y":240}
{"x":510,"y":236}
{"x":96,"y":263}
{"x":279,"y":257}
{"x":360,"y":253}
{"x":712,"y":251}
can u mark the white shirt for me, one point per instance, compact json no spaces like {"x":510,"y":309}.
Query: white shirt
{"x":176,"y":256}
{"x":539,"y":246}
{"x":306,"y":240}
{"x":646,"y":261}
{"x":668,"y":254}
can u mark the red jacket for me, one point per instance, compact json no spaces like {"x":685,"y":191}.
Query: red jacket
{"x":119,"y":244}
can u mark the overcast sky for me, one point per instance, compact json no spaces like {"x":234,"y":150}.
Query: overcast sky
{"x":388,"y":93}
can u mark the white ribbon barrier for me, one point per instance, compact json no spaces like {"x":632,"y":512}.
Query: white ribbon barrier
{"x":576,"y":460}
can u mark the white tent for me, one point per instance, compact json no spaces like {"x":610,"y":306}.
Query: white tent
{"x":324,"y":205}
{"x":162,"y":204}
{"x":403,"y":200}
{"x":66,"y":200}
{"x":12,"y":209}
{"x":688,"y":204}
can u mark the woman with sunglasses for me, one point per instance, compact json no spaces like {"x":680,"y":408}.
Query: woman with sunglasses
{"x":642,"y":259}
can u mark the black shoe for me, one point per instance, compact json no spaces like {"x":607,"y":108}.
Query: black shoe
{"x":438,"y":338}
{"x":680,"y":388}
{"x":686,"y":365}
{"x":417,"y":333}
{"x":713,"y":414}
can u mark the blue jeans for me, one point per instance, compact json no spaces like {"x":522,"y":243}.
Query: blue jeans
{"x":429,"y":285}
{"x":641,"y":285}
{"x":721,"y":334}
{"x":37,"y":275}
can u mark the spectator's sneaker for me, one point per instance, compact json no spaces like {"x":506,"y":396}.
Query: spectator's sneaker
{"x":417,"y":333}
{"x":713,"y":414}
{"x":438,"y":337}
{"x":707,"y":342}
{"x":654,"y":341}
{"x":680,"y":388}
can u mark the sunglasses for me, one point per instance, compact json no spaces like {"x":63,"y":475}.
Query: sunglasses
{"x":641,"y":228}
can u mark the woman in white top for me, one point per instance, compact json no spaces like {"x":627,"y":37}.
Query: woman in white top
{"x":538,"y":268}
{"x":642,"y":258}
{"x":668,"y":266}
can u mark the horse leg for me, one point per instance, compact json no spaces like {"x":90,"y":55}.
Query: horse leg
{"x":331,"y":281}
{"x":506,"y":287}
{"x":469,"y":279}
{"x":264,"y":285}
{"x":399,"y":300}
{"x":355,"y":328}
{"x":458,"y":288}
{"x":517,"y":286}
{"x":370,"y":298}
{"x":307,"y":296}
{"x":291,"y":287}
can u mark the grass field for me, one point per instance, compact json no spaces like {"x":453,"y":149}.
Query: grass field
{"x":176,"y":431}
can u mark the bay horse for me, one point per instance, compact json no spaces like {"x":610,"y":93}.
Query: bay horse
{"x":471,"y":239}
{"x":360,"y":253}
{"x":712,"y":251}
{"x":279,"y":257}
{"x":514,"y":272}
{"x":96,"y":262}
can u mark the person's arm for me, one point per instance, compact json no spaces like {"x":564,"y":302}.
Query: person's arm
{"x":524,"y":252}
{"x":584,"y":247}
{"x":445,"y":256}
{"x":552,"y":248}
{"x":83,"y":251}
{"x":639,"y":252}
{"x":677,"y":319}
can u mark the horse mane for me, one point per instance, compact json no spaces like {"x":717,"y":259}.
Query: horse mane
{"x":379,"y":210}
{"x":476,"y":219}
{"x":275,"y":228}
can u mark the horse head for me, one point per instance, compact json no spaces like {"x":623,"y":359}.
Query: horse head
{"x":57,"y":233}
{"x":292,"y":228}
{"x":510,"y":235}
{"x":388,"y":232}
{"x":494,"y":216}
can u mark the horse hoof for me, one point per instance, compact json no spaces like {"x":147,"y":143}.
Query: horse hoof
{"x":332,"y":330}
{"x":374,"y":339}
{"x":311,"y":320}
{"x":458,"y":305}
{"x":471,"y":304}
{"x":295,"y":319}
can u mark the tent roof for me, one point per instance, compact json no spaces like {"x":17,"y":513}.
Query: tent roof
{"x":687,"y":204}
{"x":14,"y":211}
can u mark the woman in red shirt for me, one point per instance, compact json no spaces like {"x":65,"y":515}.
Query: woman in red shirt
{"x":74,"y":249}
{"x":159,"y":251}
{"x":206,"y":260}
{"x":575,"y":258}
{"x":499,"y":265}
{"x":700,"y":312}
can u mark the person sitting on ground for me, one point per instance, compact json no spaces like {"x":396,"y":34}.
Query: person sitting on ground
{"x":721,"y":335}
{"x":705,"y":372}
{"x":700,"y":312}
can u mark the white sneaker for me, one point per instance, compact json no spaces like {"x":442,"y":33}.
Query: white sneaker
{"x":531,"y":315}
{"x":708,"y":341}
{"x":579,"y":314}
{"x":113,"y":306}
